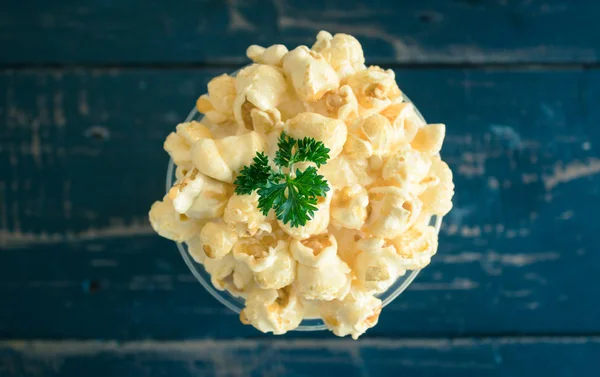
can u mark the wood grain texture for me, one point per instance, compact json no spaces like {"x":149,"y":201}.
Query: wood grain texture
{"x":551,"y":357}
{"x":80,"y":164}
{"x":215,"y":31}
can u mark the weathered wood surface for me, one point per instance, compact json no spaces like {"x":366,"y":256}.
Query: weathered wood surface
{"x":215,"y":31}
{"x":551,"y":357}
{"x":89,"y":90}
{"x":80,"y":164}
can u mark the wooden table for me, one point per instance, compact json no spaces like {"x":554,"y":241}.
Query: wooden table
{"x":89,"y":90}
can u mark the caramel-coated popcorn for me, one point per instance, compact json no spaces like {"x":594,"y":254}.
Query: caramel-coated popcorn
{"x":385,"y":175}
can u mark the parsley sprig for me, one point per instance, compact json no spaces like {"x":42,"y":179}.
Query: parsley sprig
{"x":292,"y":193}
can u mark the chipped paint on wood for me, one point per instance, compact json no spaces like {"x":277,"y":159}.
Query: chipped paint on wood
{"x":570,"y":172}
{"x":373,"y":358}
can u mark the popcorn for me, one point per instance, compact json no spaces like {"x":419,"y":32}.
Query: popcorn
{"x":368,"y":136}
{"x":193,"y":131}
{"x":405,"y":121}
{"x":266,"y":122}
{"x":324,"y":283}
{"x":279,"y":274}
{"x":309,"y":73}
{"x":406,"y":168}
{"x":349,"y":207}
{"x":437,"y":199}
{"x":178,"y":148}
{"x":355,"y":314}
{"x":340,"y":104}
{"x":416,"y":247}
{"x":271,"y":55}
{"x":393,"y":211}
{"x":322,"y":275}
{"x":198,"y":196}
{"x":182,"y":170}
{"x":342,"y":51}
{"x":172,"y":225}
{"x":429,"y":139}
{"x":243,"y":279}
{"x":258,"y":86}
{"x":316,"y":251}
{"x":260,"y":252}
{"x":228,"y":274}
{"x":220,"y":270}
{"x":273,"y":310}
{"x":343,"y":171}
{"x":375,"y":88}
{"x":242,"y":215}
{"x":375,"y":266}
{"x":217,"y":106}
{"x":194,"y":248}
{"x":221,"y":159}
{"x":332,"y":132}
{"x":386,"y":182}
{"x":217,"y":240}
{"x":290,"y":105}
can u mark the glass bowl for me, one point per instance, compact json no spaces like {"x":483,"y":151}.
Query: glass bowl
{"x":237,"y":303}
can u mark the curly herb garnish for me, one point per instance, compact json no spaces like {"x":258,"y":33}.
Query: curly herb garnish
{"x":292,"y":193}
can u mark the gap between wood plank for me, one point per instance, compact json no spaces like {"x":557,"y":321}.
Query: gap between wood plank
{"x":57,"y":347}
{"x":167,"y":66}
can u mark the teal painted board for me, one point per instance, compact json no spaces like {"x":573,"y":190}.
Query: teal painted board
{"x":469,"y":357}
{"x":79,"y":167}
{"x":215,"y":31}
{"x":139,"y":288}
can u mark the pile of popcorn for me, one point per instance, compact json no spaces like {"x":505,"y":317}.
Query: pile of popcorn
{"x":385,"y":174}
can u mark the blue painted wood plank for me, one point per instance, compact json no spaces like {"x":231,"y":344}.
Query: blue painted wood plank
{"x":79,"y":167}
{"x":213,"y":31}
{"x":469,"y":357}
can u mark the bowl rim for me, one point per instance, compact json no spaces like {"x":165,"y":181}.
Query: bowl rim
{"x":226,"y":298}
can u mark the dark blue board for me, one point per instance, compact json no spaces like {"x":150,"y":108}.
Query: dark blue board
{"x":81,"y":165}
{"x":89,"y":90}
{"x":215,"y":31}
{"x":468,"y":357}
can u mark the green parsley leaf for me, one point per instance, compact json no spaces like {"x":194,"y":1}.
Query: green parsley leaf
{"x":294,"y":197}
{"x":311,"y":150}
{"x":293,"y":150}
{"x":254,"y":176}
{"x":284,"y":156}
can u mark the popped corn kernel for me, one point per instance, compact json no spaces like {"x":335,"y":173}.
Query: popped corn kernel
{"x":437,"y":198}
{"x":258,"y":86}
{"x":309,"y":73}
{"x":415,"y":247}
{"x":429,"y":139}
{"x":217,"y":240}
{"x":279,"y":274}
{"x":368,"y":136}
{"x":375,"y":88}
{"x":332,"y":132}
{"x":355,"y":314}
{"x":349,"y":207}
{"x":324,"y":282}
{"x":260,"y":252}
{"x":199,"y":196}
{"x":315,"y":251}
{"x":271,"y":55}
{"x":223,"y":158}
{"x":172,"y":225}
{"x":242,"y":215}
{"x":273,"y":310}
{"x":393,"y":211}
{"x":375,"y":265}
{"x":342,"y":51}
{"x":217,"y":105}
